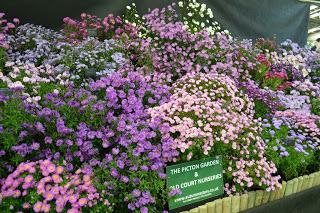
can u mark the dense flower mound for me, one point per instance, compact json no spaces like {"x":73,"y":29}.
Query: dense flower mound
{"x":208,"y":114}
{"x":91,"y":59}
{"x":34,"y":44}
{"x":44,"y":187}
{"x":203,"y":107}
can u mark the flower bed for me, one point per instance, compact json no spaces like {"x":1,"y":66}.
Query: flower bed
{"x":93,"y":114}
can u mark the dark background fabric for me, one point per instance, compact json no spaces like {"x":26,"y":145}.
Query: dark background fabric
{"x":278,"y":19}
{"x":50,"y":13}
{"x":275,"y":19}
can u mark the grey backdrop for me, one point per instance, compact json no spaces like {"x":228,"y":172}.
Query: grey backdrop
{"x":279,"y":19}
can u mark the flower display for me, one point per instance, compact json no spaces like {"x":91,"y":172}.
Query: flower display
{"x":92,"y":115}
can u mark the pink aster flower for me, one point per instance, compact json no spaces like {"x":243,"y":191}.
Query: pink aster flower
{"x":55,"y":190}
{"x":49,"y":196}
{"x":73,"y":210}
{"x":45,"y":207}
{"x":11,"y":25}
{"x":56,"y":178}
{"x":17,"y":193}
{"x":59,"y":169}
{"x":28,"y":179}
{"x":51,"y":168}
{"x":16,"y":20}
{"x":83,"y":201}
{"x":26,"y":205}
{"x":37,"y":206}
{"x":73,"y":198}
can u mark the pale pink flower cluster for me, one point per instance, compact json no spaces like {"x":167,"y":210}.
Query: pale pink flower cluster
{"x":29,"y":78}
{"x":207,"y":111}
{"x":246,"y":170}
{"x":204,"y":109}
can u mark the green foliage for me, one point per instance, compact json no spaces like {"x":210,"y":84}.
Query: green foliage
{"x":12,"y":116}
{"x":315,"y":106}
{"x":315,"y":74}
{"x":272,"y":83}
{"x":3,"y":58}
{"x":29,"y":45}
{"x":261,"y":109}
{"x":259,"y":75}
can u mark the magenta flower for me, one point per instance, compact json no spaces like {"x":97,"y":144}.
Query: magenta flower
{"x":83,"y":201}
{"x":37,"y":207}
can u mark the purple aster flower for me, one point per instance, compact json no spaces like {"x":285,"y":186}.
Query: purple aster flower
{"x":144,"y":168}
{"x":108,"y":158}
{"x":136,"y":181}
{"x":144,"y":210}
{"x":69,"y":142}
{"x":162,"y":175}
{"x":69,"y":167}
{"x":124,"y":179}
{"x":136,"y":193}
{"x":114,"y":173}
{"x":174,"y":192}
{"x":48,"y":140}
{"x":115,"y":151}
{"x":59,"y":142}
{"x":56,"y":156}
{"x":120,"y":164}
{"x":39,"y":127}
{"x":91,"y":134}
{"x":131,"y":206}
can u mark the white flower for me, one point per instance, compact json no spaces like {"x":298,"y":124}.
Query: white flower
{"x":209,"y":12}
{"x":12,"y":75}
{"x":26,"y":79}
{"x":37,"y":98}
{"x":16,"y":84}
{"x":29,"y":100}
